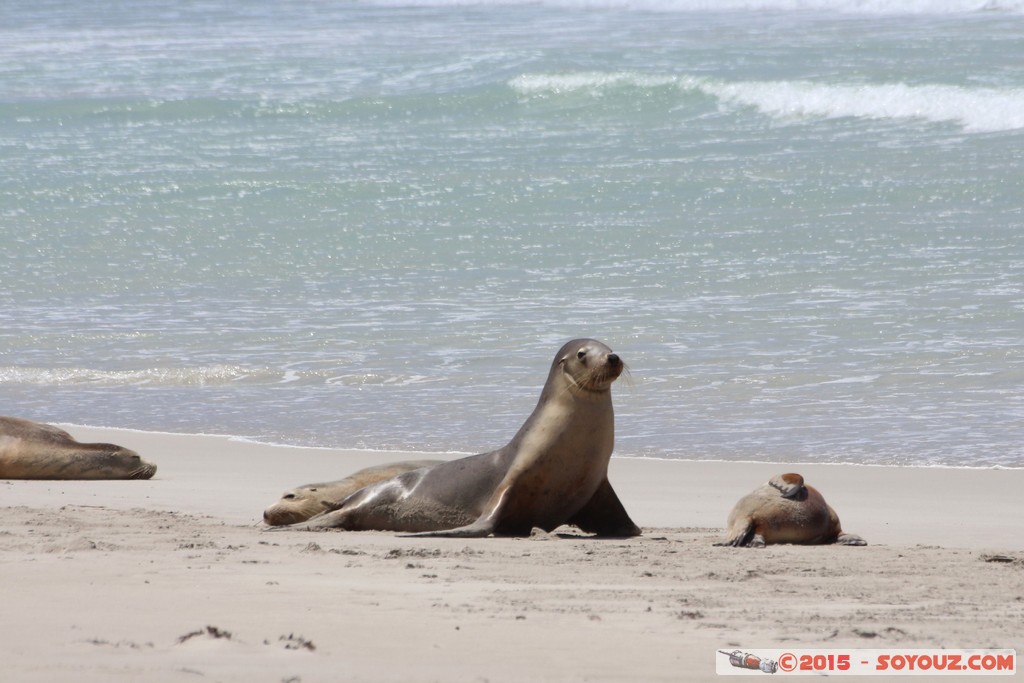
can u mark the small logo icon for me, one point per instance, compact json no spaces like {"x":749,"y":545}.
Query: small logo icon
{"x":745,"y":660}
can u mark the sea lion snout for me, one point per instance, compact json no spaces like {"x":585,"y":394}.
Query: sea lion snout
{"x":593,"y":366}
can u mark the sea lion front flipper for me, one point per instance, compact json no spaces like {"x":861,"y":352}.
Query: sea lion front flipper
{"x":362,"y":510}
{"x":605,"y":515}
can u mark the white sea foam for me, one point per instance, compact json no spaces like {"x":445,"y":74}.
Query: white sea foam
{"x":855,"y":7}
{"x":215,"y":374}
{"x":592,"y":81}
{"x":975,"y":109}
{"x":198,"y":376}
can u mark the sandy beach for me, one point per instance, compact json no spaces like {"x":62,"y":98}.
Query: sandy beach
{"x":177,"y":579}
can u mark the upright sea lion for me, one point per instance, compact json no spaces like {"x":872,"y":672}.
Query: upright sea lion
{"x":554,"y":471}
{"x":32,"y":450}
{"x":310,"y":500}
{"x":785,"y":511}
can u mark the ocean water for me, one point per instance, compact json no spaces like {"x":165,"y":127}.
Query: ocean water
{"x":372,"y":224}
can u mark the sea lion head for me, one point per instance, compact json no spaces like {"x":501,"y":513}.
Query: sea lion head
{"x":587,"y":365}
{"x":117,"y":462}
{"x":295,"y":506}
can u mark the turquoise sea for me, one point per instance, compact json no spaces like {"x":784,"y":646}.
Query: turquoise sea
{"x":372,"y":224}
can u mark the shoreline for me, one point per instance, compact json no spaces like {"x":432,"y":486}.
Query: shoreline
{"x":236,"y":479}
{"x":69,"y":426}
{"x":177,"y":579}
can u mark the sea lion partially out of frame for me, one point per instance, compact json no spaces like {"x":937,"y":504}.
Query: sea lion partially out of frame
{"x":33,"y":450}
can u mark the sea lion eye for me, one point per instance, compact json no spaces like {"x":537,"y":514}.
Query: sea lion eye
{"x":581,"y":354}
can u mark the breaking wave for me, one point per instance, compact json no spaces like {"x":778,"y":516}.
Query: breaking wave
{"x":976,"y":110}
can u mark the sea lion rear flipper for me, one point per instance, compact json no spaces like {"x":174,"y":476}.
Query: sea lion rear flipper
{"x":605,"y":515}
{"x":740,"y":534}
{"x":850,"y":539}
{"x":477,"y":529}
{"x":841,"y":537}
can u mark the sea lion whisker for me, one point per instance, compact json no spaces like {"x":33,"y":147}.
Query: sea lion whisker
{"x":597,"y":378}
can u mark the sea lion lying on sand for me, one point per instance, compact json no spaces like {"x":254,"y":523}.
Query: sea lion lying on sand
{"x":785,"y":510}
{"x":32,"y":450}
{"x":310,"y":500}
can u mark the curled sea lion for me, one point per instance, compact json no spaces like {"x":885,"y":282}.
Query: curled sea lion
{"x":554,"y":471}
{"x":785,"y":510}
{"x":309,"y":500}
{"x":32,"y":450}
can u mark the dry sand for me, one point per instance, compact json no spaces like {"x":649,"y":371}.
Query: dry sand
{"x":176,"y":579}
